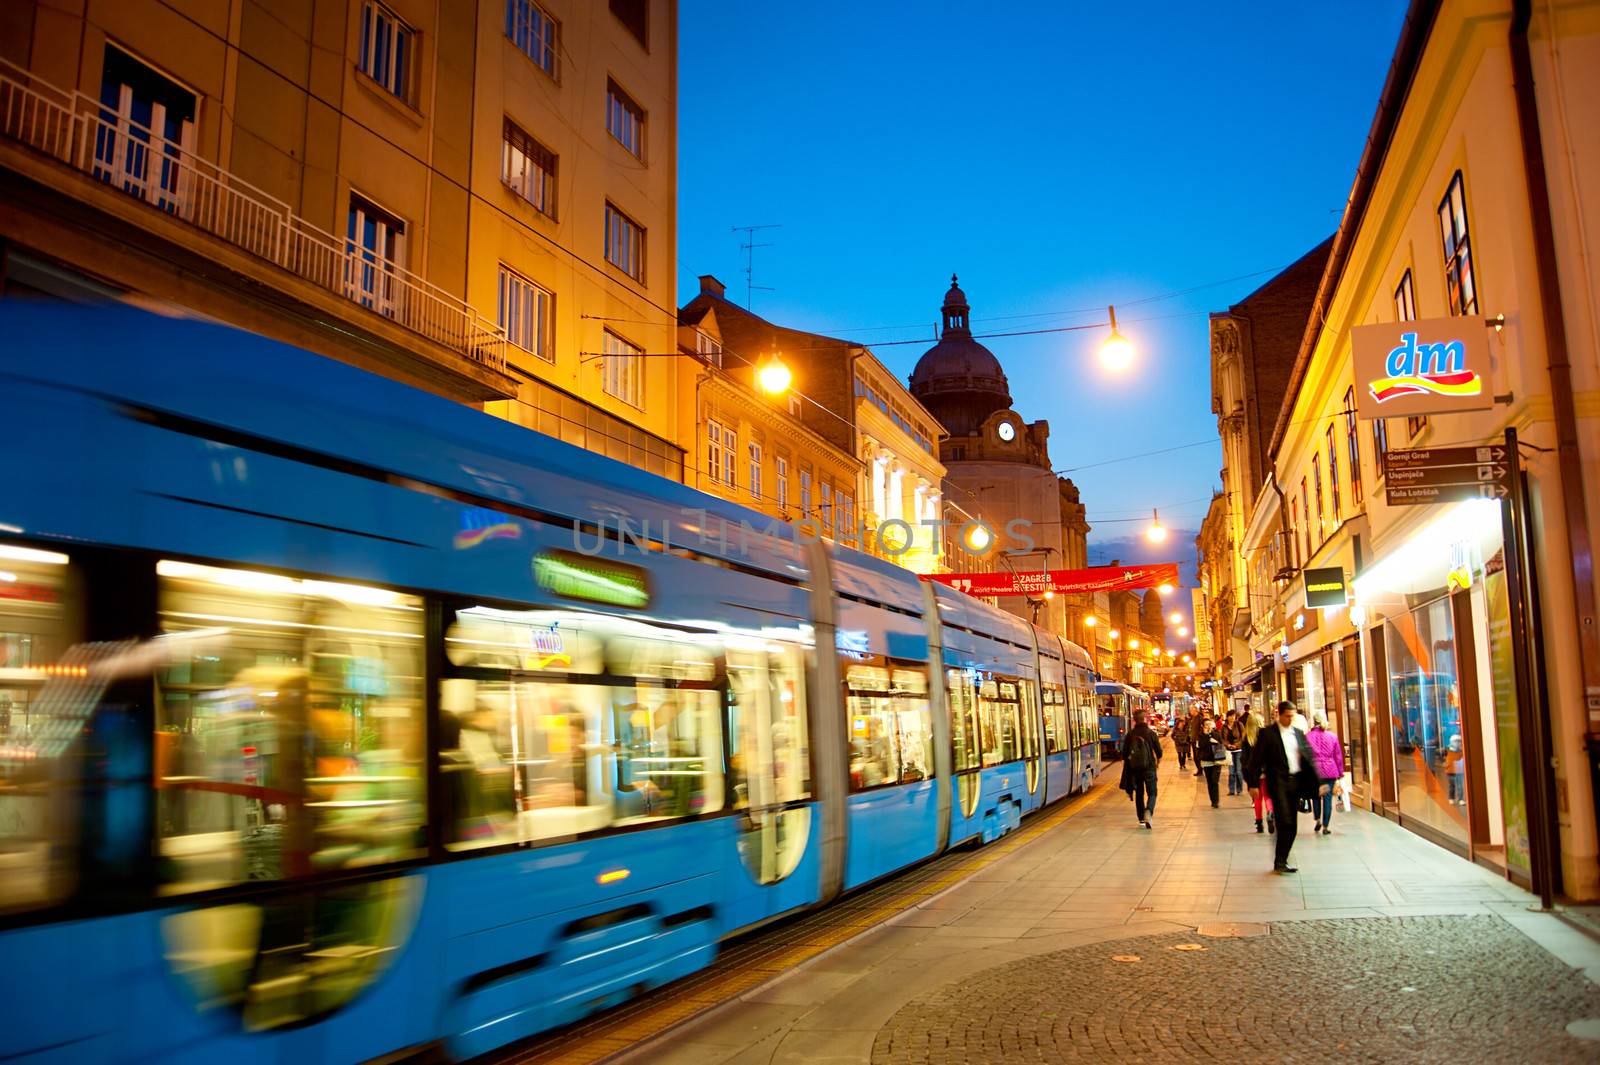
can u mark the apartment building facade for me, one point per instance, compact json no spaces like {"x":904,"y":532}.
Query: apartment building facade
{"x":345,"y":177}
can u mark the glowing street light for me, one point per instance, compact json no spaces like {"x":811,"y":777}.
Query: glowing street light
{"x":1164,"y":589}
{"x":773,"y":376}
{"x":978,"y":537}
{"x":1175,"y":617}
{"x":1133,"y":645}
{"x":1183,"y":630}
{"x":1116,"y":354}
{"x":1115,"y":633}
{"x":1157,"y":533}
{"x":1090,"y":622}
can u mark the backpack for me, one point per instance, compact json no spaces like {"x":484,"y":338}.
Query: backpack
{"x":1139,"y":755}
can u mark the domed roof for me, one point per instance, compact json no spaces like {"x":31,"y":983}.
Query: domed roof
{"x":959,"y":379}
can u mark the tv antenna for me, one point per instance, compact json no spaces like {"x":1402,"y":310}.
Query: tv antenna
{"x":749,"y":248}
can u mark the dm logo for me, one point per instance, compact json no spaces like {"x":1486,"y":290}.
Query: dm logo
{"x":1421,"y":369}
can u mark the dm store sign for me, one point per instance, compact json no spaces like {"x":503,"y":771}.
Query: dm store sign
{"x":1435,"y":366}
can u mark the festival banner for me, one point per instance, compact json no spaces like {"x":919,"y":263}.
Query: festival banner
{"x":1060,"y":581}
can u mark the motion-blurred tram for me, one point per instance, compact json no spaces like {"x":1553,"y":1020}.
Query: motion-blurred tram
{"x":1115,"y":704}
{"x":337,"y":719}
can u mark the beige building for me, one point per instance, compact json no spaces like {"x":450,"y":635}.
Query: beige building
{"x":1474,"y":206}
{"x":463,"y":204}
{"x":858,"y":452}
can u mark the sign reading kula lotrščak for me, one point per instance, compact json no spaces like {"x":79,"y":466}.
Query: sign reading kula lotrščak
{"x":1060,"y":581}
{"x":1433,"y":366}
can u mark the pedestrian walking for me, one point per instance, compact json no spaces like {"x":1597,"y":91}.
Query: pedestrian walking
{"x":1286,"y":767}
{"x":1210,"y":756}
{"x":1180,"y":740}
{"x":1329,"y":753}
{"x":1233,"y":743}
{"x":1455,"y":772}
{"x":1196,"y":723}
{"x":1252,"y":780}
{"x":1141,"y":757}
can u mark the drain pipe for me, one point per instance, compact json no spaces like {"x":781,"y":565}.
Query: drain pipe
{"x":1559,"y":364}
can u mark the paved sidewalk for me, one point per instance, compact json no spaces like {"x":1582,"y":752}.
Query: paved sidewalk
{"x":1102,"y":941}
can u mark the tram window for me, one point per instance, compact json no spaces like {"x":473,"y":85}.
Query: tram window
{"x":1059,"y":728}
{"x":771,"y":758}
{"x":891,"y":726}
{"x":1001,"y":721}
{"x":960,"y":688}
{"x":620,"y":726}
{"x":1030,"y":720}
{"x":289,"y":727}
{"x":38,"y":778}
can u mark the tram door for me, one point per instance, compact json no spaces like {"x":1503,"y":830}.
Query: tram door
{"x":1031,"y":746}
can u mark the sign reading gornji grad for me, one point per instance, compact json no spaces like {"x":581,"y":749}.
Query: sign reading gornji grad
{"x":590,"y":579}
{"x":1431,"y":366}
{"x":1325,"y":587}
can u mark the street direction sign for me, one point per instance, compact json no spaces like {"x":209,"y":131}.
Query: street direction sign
{"x":1420,"y":476}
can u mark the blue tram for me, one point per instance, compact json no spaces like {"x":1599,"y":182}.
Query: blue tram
{"x":1115,"y":704}
{"x":338,"y":720}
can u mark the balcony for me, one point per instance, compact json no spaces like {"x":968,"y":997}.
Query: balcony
{"x":166,"y":176}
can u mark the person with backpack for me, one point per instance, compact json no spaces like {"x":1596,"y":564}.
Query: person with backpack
{"x":1180,"y":739}
{"x":1141,"y":757}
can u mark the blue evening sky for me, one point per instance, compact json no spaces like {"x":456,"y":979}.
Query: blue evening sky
{"x":1059,"y":157}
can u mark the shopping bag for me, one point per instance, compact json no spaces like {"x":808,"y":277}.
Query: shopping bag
{"x":1344,"y":792}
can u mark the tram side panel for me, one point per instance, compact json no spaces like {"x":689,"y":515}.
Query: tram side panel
{"x":885,"y":672}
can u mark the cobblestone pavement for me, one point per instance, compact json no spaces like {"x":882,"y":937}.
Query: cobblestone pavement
{"x":1386,"y":948}
{"x":1389,"y":989}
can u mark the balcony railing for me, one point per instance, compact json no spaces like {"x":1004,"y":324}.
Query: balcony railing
{"x":85,"y":135}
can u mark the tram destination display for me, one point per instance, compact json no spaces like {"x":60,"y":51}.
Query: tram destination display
{"x":1447,"y":474}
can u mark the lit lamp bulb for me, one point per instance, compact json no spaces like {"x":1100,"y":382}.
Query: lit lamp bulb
{"x":1133,"y":645}
{"x":1116,"y":354}
{"x":1115,"y":633}
{"x":1164,"y":589}
{"x":978,"y":537}
{"x":1091,"y":621}
{"x":1157,"y":533}
{"x":773,"y":376}
{"x":1183,"y":630}
{"x":1175,"y":617}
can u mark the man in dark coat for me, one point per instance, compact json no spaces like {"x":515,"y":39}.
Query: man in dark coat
{"x":1141,"y":757}
{"x":1284,"y":755}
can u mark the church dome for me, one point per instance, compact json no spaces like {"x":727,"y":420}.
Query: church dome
{"x":958,"y":379}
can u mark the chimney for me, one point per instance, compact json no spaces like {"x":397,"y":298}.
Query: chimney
{"x":710,"y":286}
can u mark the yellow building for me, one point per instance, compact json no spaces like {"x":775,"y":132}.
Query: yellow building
{"x":459,"y":204}
{"x":755,"y":448}
{"x":1468,"y":215}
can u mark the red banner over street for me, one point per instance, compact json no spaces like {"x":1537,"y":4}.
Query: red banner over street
{"x":1060,"y":581}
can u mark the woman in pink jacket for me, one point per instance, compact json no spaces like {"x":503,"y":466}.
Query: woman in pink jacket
{"x":1329,"y":756}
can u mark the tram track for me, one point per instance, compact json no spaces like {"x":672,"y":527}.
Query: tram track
{"x":757,"y":958}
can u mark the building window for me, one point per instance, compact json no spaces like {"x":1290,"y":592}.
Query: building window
{"x":708,"y":347}
{"x":847,"y":517}
{"x":388,"y":49}
{"x":624,"y":243}
{"x":529,"y":168}
{"x":624,"y":370}
{"x":1305,"y":506}
{"x":1405,"y":300}
{"x":827,"y":507}
{"x":714,"y":451}
{"x":805,"y":493}
{"x":1405,"y":310}
{"x":526,"y":312}
{"x":1459,"y":280}
{"x":375,"y":253}
{"x":783,"y":481}
{"x":755,"y":468}
{"x":1380,"y":447}
{"x":147,"y":128}
{"x":1316,"y":477}
{"x":794,"y":405}
{"x":535,"y":33}
{"x":1333,"y":476}
{"x":624,"y":119}
{"x":1352,"y":445}
{"x":635,"y":17}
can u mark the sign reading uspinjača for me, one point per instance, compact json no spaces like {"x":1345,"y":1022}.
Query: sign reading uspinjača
{"x":1432,"y":366}
{"x":1060,"y":581}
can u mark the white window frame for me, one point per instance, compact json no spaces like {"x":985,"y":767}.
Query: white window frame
{"x":625,"y":119}
{"x":708,"y":347}
{"x":805,"y":493}
{"x":623,"y":369}
{"x":388,"y":59}
{"x":713,"y":451}
{"x":754,"y":450}
{"x":536,"y":34}
{"x":526,"y":312}
{"x":782,"y":464}
{"x":524,"y":172}
{"x":372,"y":270}
{"x":826,"y":492}
{"x":624,"y":242}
